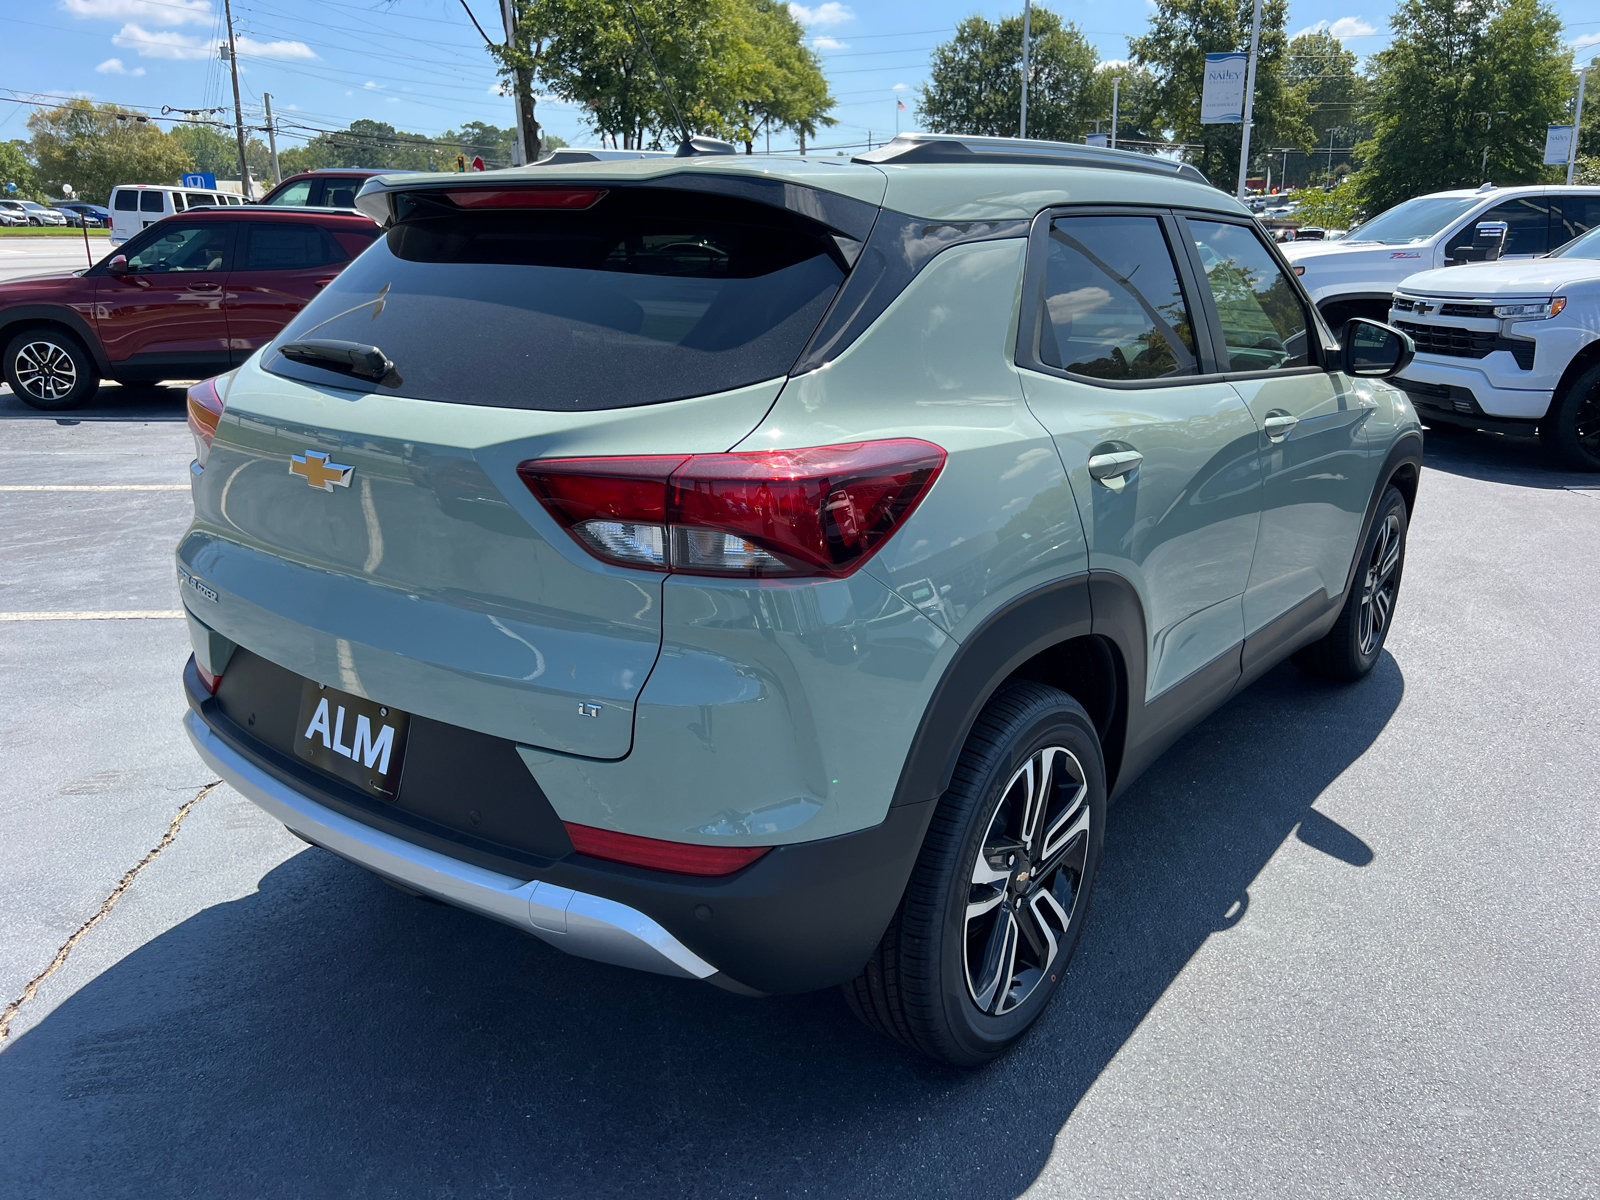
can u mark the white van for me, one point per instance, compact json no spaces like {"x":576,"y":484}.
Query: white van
{"x":135,"y":205}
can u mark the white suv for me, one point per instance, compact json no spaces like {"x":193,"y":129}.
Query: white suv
{"x":1510,"y":346}
{"x":1355,"y":276}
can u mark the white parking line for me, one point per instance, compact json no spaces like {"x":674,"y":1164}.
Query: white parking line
{"x":127,"y":615}
{"x":94,"y":487}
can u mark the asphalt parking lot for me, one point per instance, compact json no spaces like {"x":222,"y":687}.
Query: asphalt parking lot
{"x":1343,"y":941}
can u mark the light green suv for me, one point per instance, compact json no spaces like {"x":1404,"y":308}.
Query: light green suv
{"x":764,"y":571}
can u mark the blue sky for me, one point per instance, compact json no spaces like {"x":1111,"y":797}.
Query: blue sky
{"x":420,"y":65}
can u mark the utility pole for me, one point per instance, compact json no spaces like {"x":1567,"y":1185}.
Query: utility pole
{"x":1249,"y":99}
{"x":1330,"y":158}
{"x":238,"y":109}
{"x":1116,"y":87}
{"x":526,"y":149}
{"x":1577,"y":120}
{"x":272,"y":141}
{"x":1483,"y":167}
{"x":1027,"y":32}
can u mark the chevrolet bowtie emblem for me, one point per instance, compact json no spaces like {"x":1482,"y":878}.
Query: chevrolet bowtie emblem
{"x":316,"y":470}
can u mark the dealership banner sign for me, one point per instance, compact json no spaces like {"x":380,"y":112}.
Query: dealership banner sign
{"x":1557,"y":145}
{"x":1222,"y":98}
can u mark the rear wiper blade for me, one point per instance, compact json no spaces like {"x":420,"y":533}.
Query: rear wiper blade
{"x":347,"y":358}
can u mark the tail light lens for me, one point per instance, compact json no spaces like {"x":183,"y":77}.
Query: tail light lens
{"x":205,"y":410}
{"x":821,"y":511}
{"x":570,"y":198}
{"x":678,"y":857}
{"x":212,"y":682}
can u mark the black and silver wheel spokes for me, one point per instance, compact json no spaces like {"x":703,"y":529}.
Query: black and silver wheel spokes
{"x":1586,"y":425}
{"x":45,"y":371}
{"x":1379,"y":588}
{"x":1027,"y":880}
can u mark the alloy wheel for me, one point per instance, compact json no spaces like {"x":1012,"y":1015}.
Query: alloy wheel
{"x":1027,"y":881}
{"x":45,"y":370}
{"x":1378,"y":590}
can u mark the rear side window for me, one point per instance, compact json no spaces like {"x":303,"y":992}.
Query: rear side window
{"x":197,"y":198}
{"x":296,"y":193}
{"x":341,"y":193}
{"x":648,"y":295}
{"x":152,"y":202}
{"x":1528,"y":219}
{"x":1113,"y":306}
{"x":127,"y":202}
{"x":273,"y":247}
{"x":1573,"y":216}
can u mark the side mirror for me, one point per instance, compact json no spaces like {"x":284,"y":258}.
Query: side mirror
{"x":118,"y":264}
{"x":1374,"y":350}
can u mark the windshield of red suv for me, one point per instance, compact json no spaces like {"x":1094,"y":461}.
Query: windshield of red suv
{"x":1414,"y":221}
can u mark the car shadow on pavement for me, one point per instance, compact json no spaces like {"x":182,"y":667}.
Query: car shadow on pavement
{"x":1498,"y":458}
{"x":328,"y":1035}
{"x":112,"y":402}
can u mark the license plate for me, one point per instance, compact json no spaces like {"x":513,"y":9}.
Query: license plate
{"x":359,"y":741}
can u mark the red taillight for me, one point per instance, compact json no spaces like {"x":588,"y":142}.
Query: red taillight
{"x":678,"y":857}
{"x":206,"y":677}
{"x":527,"y":197}
{"x":766,"y":513}
{"x":205,"y":410}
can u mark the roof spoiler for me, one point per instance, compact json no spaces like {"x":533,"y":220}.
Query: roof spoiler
{"x":971,"y":151}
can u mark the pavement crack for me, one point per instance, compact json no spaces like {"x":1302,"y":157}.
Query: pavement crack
{"x":110,"y":902}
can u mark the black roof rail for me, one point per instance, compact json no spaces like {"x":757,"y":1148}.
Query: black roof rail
{"x":955,"y":148}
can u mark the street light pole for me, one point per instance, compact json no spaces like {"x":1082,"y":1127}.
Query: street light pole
{"x":1249,"y":98}
{"x":272,"y":140}
{"x":1577,"y":120}
{"x":1027,"y":29}
{"x":1116,"y":87}
{"x":238,"y":108}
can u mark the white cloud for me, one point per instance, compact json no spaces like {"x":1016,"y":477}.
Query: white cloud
{"x":829,"y":43}
{"x":829,"y":13}
{"x":158,"y":44}
{"x":1350,"y":27}
{"x":901,"y":87}
{"x":249,"y":46}
{"x":113,"y":66}
{"x":1587,"y":40}
{"x":394,"y":99}
{"x":1113,"y":64}
{"x":371,"y":87}
{"x":156,"y":12}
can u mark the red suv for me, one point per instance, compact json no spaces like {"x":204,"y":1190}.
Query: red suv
{"x":189,"y":297}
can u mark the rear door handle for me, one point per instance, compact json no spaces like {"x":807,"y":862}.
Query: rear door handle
{"x":322,"y":283}
{"x":1113,"y":469}
{"x":1278,"y":425}
{"x":204,"y":287}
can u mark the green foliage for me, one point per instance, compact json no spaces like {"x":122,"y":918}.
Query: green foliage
{"x":215,"y":151}
{"x":1140,"y":125}
{"x":782,"y":86}
{"x":1181,"y":34}
{"x":1324,"y":72}
{"x":1453,"y":65}
{"x":15,"y":168}
{"x":1338,"y":209}
{"x":975,"y":80}
{"x":86,"y":145}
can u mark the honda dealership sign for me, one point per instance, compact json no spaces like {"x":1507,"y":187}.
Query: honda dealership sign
{"x":1222,"y":100}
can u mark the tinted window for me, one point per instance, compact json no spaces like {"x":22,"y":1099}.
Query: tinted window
{"x":180,"y":246}
{"x":287,"y":247}
{"x":649,"y":295}
{"x":341,"y":193}
{"x":1573,"y":216}
{"x":196,"y":198}
{"x":127,"y":201}
{"x":152,"y":202}
{"x":295,"y":194}
{"x":1113,"y":305}
{"x":1529,"y":227}
{"x":1263,"y":322}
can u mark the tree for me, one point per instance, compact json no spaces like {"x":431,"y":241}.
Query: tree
{"x":217,"y":153}
{"x":1181,"y":34}
{"x":1324,"y":72}
{"x":15,"y":168}
{"x":1139,"y":122}
{"x":975,"y":80}
{"x":369,"y":144}
{"x":783,"y":86}
{"x":1463,"y":94}
{"x":95,"y":147}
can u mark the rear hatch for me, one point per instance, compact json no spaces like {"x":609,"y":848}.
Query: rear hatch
{"x":359,"y":519}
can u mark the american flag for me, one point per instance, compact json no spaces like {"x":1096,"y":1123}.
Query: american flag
{"x":901,"y":105}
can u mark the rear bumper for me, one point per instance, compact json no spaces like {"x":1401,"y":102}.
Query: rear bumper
{"x":804,"y":916}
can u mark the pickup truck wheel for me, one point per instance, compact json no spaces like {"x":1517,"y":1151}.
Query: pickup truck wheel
{"x":999,"y":896}
{"x":1570,"y":431}
{"x":1351,"y":648}
{"x":49,"y":369}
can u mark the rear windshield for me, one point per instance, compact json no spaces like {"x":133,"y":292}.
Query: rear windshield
{"x":648,"y":295}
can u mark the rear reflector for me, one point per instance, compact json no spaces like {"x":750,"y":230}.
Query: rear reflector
{"x":527,"y":197}
{"x":820,"y":511}
{"x":677,"y":857}
{"x":205,"y":411}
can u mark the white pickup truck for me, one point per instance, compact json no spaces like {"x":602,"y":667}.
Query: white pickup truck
{"x":1355,"y":277}
{"x":1512,"y":346}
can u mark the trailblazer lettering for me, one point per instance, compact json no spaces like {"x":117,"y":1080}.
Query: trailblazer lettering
{"x":366,"y":750}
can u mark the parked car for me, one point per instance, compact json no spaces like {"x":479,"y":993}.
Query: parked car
{"x":95,"y":216}
{"x":1511,"y":346}
{"x":329,"y":187}
{"x":136,"y":206}
{"x":744,"y":570}
{"x":1356,"y":275}
{"x":34,"y":213}
{"x":191,"y":296}
{"x":11,"y":218}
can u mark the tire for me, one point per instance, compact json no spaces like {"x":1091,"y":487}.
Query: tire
{"x":1352,"y":647}
{"x":1570,"y":431}
{"x":932,"y":982}
{"x":49,"y":369}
